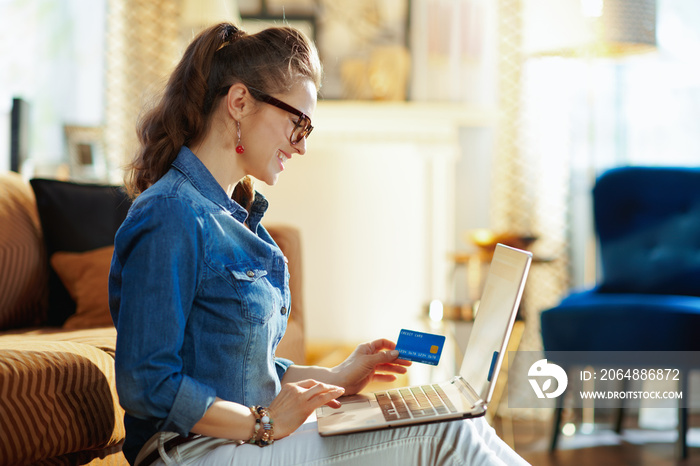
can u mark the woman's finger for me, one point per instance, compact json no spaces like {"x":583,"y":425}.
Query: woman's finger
{"x":296,"y":401}
{"x":311,"y":388}
{"x":325,"y":397}
{"x":335,"y":404}
{"x":383,"y":378}
{"x":308,"y":383}
{"x":323,"y":390}
{"x":396,"y":369}
{"x":382,"y":344}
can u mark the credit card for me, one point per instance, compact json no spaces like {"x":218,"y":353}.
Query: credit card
{"x":420,"y":347}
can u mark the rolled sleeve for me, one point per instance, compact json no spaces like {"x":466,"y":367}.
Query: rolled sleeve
{"x":281,"y":365}
{"x":191,"y":402}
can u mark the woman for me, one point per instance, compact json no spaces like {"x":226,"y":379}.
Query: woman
{"x":199,"y":291}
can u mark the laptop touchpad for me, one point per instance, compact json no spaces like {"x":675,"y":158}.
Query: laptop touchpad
{"x":359,"y":401}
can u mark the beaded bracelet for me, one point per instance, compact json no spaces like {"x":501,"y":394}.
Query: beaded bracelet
{"x":264,"y":422}
{"x":256,"y":428}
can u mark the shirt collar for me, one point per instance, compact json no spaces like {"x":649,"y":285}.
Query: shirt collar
{"x":202,"y":179}
{"x":257,"y":211}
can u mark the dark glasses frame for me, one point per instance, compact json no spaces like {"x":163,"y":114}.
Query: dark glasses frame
{"x":304,"y":122}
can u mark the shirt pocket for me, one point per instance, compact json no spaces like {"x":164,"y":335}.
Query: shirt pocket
{"x":257,"y":295}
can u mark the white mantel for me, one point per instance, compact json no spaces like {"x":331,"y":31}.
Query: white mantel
{"x":420,"y":122}
{"x":374,"y":199}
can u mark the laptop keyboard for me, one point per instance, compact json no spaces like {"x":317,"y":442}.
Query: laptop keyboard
{"x":414,"y":402}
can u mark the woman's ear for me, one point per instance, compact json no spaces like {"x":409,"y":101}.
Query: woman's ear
{"x":238,"y":101}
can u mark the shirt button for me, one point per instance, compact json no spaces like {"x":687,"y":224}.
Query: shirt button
{"x":284,"y":311}
{"x":250,"y":273}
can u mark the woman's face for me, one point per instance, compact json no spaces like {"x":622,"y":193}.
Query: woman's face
{"x":265,"y":134}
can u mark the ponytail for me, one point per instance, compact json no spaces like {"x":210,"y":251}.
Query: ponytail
{"x":244,"y":193}
{"x":272,"y":60}
{"x":178,"y":117}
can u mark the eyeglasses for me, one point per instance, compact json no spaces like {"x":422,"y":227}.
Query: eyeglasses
{"x":302,"y":127}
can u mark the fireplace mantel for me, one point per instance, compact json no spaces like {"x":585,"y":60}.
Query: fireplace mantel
{"x":398,"y":121}
{"x":374,"y":197}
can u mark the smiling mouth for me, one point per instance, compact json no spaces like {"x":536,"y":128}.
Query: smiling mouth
{"x":283,"y":157}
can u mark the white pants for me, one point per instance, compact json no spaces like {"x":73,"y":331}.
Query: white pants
{"x":470,"y":442}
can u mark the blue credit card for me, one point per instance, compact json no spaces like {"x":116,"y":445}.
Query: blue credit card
{"x":420,"y":347}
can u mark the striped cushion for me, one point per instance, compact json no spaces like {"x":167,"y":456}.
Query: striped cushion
{"x":23,"y":276}
{"x":56,"y":397}
{"x":110,"y":456}
{"x":104,"y":338}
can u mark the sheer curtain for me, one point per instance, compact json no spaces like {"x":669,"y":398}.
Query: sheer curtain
{"x":142,"y":49}
{"x":566,"y":120}
{"x":583,"y":116}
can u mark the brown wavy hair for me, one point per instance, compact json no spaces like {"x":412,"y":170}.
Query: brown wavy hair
{"x":273,"y":60}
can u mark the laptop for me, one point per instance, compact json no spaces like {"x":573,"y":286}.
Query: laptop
{"x":468,"y":393}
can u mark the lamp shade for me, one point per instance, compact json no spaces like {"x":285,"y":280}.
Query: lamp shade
{"x":589,"y":28}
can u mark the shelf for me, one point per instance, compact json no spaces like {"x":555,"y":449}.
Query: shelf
{"x":396,"y":121}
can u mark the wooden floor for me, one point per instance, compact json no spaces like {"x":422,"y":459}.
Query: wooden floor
{"x":532,"y":438}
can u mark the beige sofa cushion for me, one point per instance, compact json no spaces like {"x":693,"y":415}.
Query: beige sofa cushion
{"x":292,"y":346}
{"x":104,"y":338}
{"x":23,"y":289}
{"x":57,"y":397}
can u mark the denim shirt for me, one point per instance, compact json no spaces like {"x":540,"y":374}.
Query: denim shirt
{"x":199,"y":301}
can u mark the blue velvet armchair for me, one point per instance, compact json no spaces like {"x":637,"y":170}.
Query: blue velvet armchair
{"x":647,"y":221}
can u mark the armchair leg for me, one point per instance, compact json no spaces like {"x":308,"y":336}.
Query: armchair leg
{"x":556,"y":427}
{"x":620,"y":411}
{"x":682,"y":443}
{"x":619,"y":419}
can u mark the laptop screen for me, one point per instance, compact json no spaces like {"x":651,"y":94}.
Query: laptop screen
{"x":494,"y":319}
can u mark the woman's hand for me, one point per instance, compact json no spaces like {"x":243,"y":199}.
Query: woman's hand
{"x":376,"y":360}
{"x":296,"y":401}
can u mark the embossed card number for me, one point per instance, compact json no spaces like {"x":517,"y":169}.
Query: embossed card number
{"x":420,"y":347}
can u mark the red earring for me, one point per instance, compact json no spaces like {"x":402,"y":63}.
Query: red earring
{"x":239,"y":148}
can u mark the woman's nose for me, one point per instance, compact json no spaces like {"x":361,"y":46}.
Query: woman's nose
{"x":300,"y":146}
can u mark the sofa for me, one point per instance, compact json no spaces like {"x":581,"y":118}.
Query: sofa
{"x":58,"y":402}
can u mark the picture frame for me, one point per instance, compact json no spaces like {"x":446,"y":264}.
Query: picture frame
{"x":363,"y":44}
{"x":86,"y":152}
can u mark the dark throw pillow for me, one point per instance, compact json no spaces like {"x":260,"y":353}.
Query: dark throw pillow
{"x":75,"y":217}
